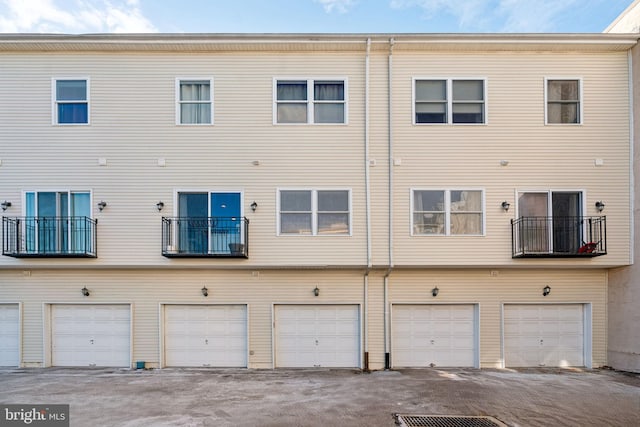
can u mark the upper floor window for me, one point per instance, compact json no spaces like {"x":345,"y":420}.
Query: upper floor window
{"x":447,"y":212}
{"x":449,"y":101}
{"x":314,"y":212}
{"x":310,"y":101}
{"x":194,"y":101}
{"x":563,"y":101}
{"x":71,"y":101}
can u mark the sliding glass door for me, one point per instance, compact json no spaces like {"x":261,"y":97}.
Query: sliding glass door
{"x":56,"y":222}
{"x":210,"y":222}
{"x":551,"y":221}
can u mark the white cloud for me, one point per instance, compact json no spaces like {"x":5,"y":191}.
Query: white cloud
{"x":504,"y":15}
{"x":340,"y":6}
{"x":534,"y":16}
{"x":79,"y":16}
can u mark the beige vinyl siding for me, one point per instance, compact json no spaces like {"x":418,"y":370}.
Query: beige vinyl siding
{"x":379,"y":151}
{"x":146,"y":290}
{"x":493,"y":288}
{"x":540,"y":157}
{"x":133,"y":125}
{"x":375,"y":320}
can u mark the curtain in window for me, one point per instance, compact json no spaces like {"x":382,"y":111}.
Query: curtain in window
{"x":431,"y":101}
{"x":466,"y":212}
{"x":292,"y":102}
{"x":81,"y":232}
{"x":428,"y":216}
{"x":195,"y":107}
{"x":333,"y":212}
{"x":295,"y":212}
{"x":326,"y":111}
{"x":563,"y":101}
{"x":57,"y":222}
{"x":46,"y":222}
{"x":567,"y":221}
{"x":533,"y":209}
{"x":30,"y":222}
{"x":468,"y":101}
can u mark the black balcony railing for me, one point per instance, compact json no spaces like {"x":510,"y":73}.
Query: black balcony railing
{"x":73,"y":236}
{"x":570,"y":236}
{"x":205,"y":237}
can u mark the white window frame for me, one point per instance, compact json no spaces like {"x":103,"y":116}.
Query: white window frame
{"x":54,"y":100}
{"x":580,"y":101}
{"x":311,"y":100}
{"x":179,"y":102}
{"x":314,"y":212}
{"x":449,"y":101}
{"x":447,"y":211}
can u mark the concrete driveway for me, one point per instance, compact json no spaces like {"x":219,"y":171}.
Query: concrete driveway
{"x":193,"y":397}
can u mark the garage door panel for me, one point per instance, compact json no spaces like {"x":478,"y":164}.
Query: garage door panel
{"x":569,"y":328}
{"x":90,"y":335}
{"x":110,"y":328}
{"x":544,"y":335}
{"x":205,"y":335}
{"x":9,"y":335}
{"x":236,"y":328}
{"x":317,"y":335}
{"x":427,"y":334}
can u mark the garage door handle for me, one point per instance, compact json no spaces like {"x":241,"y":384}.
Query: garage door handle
{"x":433,"y":342}
{"x":316,"y":342}
{"x":90,"y":341}
{"x":206,"y":342}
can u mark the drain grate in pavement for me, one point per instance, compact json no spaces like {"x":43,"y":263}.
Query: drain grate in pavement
{"x":446,"y":421}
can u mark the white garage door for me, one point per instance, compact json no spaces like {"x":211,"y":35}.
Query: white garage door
{"x":91,"y":335}
{"x":9,"y":334}
{"x":544,"y":335}
{"x":433,"y":335}
{"x":205,"y":335}
{"x":317,"y":336}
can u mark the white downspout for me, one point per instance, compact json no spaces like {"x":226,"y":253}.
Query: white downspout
{"x":390,"y":154}
{"x":367,"y":160}
{"x":387,"y":320}
{"x":632,"y":200}
{"x":367,"y":185}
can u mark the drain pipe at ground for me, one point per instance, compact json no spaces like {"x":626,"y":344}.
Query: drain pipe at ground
{"x":367,"y":185}
{"x":387,"y":346}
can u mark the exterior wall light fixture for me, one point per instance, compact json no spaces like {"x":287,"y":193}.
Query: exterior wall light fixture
{"x":546,"y":291}
{"x":600,"y":205}
{"x":101,"y":205}
{"x":316,"y":291}
{"x":85,"y":291}
{"x":254,"y":206}
{"x":505,"y":205}
{"x":4,"y":205}
{"x":160,"y":205}
{"x":205,"y":291}
{"x":435,"y":291}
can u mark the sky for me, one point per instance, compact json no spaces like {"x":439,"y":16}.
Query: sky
{"x":308,"y":16}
